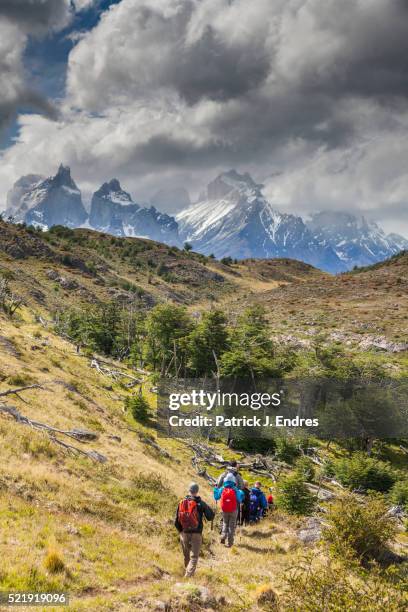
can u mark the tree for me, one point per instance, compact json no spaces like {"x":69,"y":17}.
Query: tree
{"x":294,"y":496}
{"x":305,"y":468}
{"x":139,"y":407}
{"x":166,"y":329}
{"x":188,"y":247}
{"x":206,"y":343}
{"x":362,"y":472}
{"x":9,"y":302}
{"x":251,"y":354}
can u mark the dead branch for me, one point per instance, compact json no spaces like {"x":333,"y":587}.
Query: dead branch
{"x":115,"y":374}
{"x":77,"y":434}
{"x":98,"y":457}
{"x":19,"y":390}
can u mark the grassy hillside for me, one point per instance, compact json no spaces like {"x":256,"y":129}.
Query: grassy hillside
{"x":101,"y":525}
{"x":104,"y":532}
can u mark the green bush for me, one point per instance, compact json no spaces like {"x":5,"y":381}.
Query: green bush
{"x":362,"y":472}
{"x":358,"y":528}
{"x":287,"y":450}
{"x":312,"y":586}
{"x":139,"y":408}
{"x":399,"y":493}
{"x":294,"y":496}
{"x":227,"y":261}
{"x":305,"y":468}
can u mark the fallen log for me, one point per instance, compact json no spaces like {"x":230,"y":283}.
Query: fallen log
{"x":115,"y":374}
{"x":77,"y":434}
{"x":19,"y":390}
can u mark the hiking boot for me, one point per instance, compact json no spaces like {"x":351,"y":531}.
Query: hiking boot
{"x":228,"y":545}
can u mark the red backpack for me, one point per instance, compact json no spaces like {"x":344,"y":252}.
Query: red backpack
{"x":188,"y":514}
{"x":228,"y":500}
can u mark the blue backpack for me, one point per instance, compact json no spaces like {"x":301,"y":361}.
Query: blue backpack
{"x":254,"y":505}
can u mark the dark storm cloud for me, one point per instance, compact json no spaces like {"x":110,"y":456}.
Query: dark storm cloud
{"x":36,"y":16}
{"x":18,"y":20}
{"x":214,"y":71}
{"x":287,"y":65}
{"x":313,"y":92}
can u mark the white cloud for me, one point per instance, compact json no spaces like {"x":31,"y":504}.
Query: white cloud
{"x":309,"y":95}
{"x":81,"y":5}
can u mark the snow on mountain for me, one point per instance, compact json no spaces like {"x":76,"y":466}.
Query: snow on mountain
{"x":17,"y":203}
{"x":356,"y":240}
{"x":52,"y":201}
{"x":234,"y":219}
{"x":113,"y":211}
{"x":400,"y":242}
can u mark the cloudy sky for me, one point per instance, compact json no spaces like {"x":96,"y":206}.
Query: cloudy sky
{"x":309,"y":96}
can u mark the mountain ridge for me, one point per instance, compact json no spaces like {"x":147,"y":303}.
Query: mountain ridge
{"x":231,"y":219}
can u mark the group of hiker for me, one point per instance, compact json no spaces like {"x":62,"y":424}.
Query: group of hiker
{"x":239,"y":505}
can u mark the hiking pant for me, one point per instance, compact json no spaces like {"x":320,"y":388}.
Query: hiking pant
{"x":229,"y":523}
{"x":191,"y":544}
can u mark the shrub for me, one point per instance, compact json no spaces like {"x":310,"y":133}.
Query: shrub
{"x":305,"y":468}
{"x":294,"y":496}
{"x":54,"y":561}
{"x":332,"y":587}
{"x":20,"y":380}
{"x":287,"y":450}
{"x":362,"y":472}
{"x":266,"y":598}
{"x":359,"y":529}
{"x":399,"y":493}
{"x":227,"y":261}
{"x":328,"y":469}
{"x":139,"y":408}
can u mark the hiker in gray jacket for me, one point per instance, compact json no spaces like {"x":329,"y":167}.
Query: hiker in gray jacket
{"x":232,"y":469}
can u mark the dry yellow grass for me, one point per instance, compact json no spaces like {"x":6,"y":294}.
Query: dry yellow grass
{"x":104,"y":532}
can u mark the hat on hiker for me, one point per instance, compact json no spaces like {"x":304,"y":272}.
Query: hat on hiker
{"x":193,"y":488}
{"x":233,"y":463}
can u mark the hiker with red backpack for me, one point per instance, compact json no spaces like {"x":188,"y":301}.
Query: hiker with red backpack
{"x":230,"y":498}
{"x":189,"y":523}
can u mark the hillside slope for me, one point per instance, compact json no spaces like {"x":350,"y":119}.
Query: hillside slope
{"x":92,"y":513}
{"x":104,"y":531}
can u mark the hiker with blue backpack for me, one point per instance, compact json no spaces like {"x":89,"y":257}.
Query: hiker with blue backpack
{"x":230,"y":497}
{"x":257,"y":503}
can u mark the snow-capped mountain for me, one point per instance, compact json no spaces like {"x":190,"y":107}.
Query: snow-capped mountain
{"x":234,"y":219}
{"x":113,"y":211}
{"x":17,"y":204}
{"x":356,"y":240}
{"x":231,"y":219}
{"x":57,"y":201}
{"x":44,"y":203}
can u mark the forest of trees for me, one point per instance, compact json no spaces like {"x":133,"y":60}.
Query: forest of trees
{"x":172,"y":343}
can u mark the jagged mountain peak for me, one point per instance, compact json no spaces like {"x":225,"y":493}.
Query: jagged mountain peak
{"x":63,"y":178}
{"x":113,"y":191}
{"x":113,"y":211}
{"x":53,"y":201}
{"x":231,"y":182}
{"x":357,"y":241}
